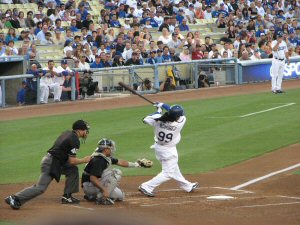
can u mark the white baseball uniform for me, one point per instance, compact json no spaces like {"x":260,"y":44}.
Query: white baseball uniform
{"x":167,"y":136}
{"x":278,"y":64}
{"x":55,"y":85}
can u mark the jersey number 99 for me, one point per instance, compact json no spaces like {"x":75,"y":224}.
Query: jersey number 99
{"x":162,"y":136}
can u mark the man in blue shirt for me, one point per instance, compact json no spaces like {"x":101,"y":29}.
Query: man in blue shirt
{"x":180,"y":16}
{"x":97,"y":63}
{"x":152,"y":59}
{"x":183,"y":26}
{"x":166,"y":55}
{"x":114,"y":22}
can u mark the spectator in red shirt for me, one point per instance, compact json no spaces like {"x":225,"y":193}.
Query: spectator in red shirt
{"x":197,"y":53}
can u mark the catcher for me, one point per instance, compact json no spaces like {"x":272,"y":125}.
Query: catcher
{"x":100,"y":180}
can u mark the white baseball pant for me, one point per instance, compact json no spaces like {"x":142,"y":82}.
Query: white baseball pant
{"x":277,"y":73}
{"x":57,"y":90}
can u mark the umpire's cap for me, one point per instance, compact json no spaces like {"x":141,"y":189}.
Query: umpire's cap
{"x":80,"y":125}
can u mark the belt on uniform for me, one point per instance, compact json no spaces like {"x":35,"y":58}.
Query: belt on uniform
{"x":279,"y":59}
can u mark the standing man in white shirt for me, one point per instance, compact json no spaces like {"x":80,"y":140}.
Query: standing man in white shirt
{"x":280,"y":55}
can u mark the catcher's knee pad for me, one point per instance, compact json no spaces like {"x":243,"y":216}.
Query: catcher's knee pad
{"x":117,"y":173}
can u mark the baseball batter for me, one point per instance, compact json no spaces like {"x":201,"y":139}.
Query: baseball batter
{"x":167,"y":128}
{"x":280,"y":55}
{"x":60,"y":159}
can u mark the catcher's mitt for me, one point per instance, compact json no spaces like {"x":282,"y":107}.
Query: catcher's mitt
{"x":145,"y":163}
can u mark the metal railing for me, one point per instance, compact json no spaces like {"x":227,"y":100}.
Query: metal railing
{"x":224,"y":71}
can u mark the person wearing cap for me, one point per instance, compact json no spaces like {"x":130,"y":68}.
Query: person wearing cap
{"x":208,"y":13}
{"x":180,"y":15}
{"x":152,"y":57}
{"x":175,"y":42}
{"x":159,"y":58}
{"x":190,"y":14}
{"x":260,"y":31}
{"x":134,"y":60}
{"x":280,"y":55}
{"x":82,"y":11}
{"x":60,"y":159}
{"x":256,"y":55}
{"x":21,"y":94}
{"x":64,"y":66}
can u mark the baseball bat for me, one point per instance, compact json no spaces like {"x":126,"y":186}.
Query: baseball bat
{"x":134,"y":92}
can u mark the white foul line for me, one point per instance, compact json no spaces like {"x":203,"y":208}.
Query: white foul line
{"x":274,"y":204}
{"x":264,"y":177}
{"x":267,"y":110}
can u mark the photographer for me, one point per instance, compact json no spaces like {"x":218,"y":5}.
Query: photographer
{"x":203,"y":80}
{"x":147,"y":85}
{"x":168,"y":84}
{"x":87,"y":85}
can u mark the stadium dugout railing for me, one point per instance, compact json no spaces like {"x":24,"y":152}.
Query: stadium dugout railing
{"x":186,"y":74}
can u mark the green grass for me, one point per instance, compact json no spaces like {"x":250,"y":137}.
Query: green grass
{"x":207,"y":143}
{"x":297,"y":172}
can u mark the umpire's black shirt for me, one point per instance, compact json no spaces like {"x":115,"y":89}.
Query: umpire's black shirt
{"x":67,"y":144}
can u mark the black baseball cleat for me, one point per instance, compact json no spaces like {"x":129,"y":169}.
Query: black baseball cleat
{"x":89,"y":198}
{"x":280,"y":91}
{"x":274,"y":92}
{"x":145,"y":192}
{"x":13,"y":201}
{"x":69,"y":199}
{"x":195,"y":185}
{"x":104,"y":201}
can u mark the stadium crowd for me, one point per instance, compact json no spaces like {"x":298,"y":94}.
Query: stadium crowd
{"x":120,"y":32}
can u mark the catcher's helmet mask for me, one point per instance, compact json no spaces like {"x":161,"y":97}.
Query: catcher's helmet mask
{"x":176,"y":111}
{"x":105,"y":143}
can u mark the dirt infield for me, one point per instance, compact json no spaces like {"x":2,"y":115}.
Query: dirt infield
{"x":275,"y":200}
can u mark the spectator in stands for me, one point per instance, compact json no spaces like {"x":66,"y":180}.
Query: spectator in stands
{"x":166,"y":55}
{"x":173,"y":55}
{"x":21,"y":19}
{"x":159,"y":58}
{"x":10,"y":45}
{"x":86,"y":23}
{"x":14,"y":21}
{"x":183,"y":26}
{"x":118,"y":61}
{"x":97,"y":63}
{"x":134,"y":60}
{"x":49,"y":39}
{"x":197,"y":53}
{"x":11,"y":35}
{"x":185,"y":54}
{"x":82,"y":11}
{"x":165,"y":38}
{"x":114,"y":22}
{"x":152,"y":57}
{"x":83,"y":64}
{"x":165,"y":24}
{"x":208,"y":13}
{"x":58,"y":39}
{"x":175,"y":42}
{"x":245,"y":56}
{"x":41,"y":36}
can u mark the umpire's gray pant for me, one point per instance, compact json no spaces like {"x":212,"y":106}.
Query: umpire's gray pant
{"x":71,"y":183}
{"x":110,"y":179}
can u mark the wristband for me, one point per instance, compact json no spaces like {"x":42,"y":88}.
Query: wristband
{"x":133,"y":165}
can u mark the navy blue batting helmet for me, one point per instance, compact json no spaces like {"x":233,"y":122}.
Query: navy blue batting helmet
{"x":176,"y":111}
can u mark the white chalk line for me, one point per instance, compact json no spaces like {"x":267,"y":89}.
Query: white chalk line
{"x":81,"y":207}
{"x":266,"y":205}
{"x":264,"y":177}
{"x":244,"y":191}
{"x":267,"y":110}
{"x":254,"y":113}
{"x":171,"y":203}
{"x":290,"y":197}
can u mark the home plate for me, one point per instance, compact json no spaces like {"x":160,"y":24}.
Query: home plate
{"x":219,"y":197}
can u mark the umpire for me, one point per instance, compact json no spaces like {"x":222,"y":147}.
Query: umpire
{"x":60,"y":159}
